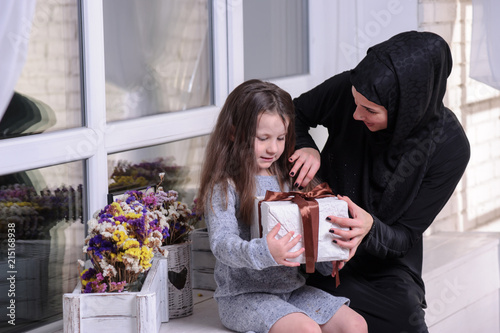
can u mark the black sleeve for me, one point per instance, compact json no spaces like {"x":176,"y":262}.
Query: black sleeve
{"x":318,"y":107}
{"x":447,"y":168}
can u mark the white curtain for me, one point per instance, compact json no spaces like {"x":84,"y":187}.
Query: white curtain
{"x":15,"y":25}
{"x":134,"y":39}
{"x":485,"y":48}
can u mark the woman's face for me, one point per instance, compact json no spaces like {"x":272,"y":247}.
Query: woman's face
{"x":373,"y":115}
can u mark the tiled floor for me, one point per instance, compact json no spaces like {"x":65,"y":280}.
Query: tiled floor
{"x":461,"y":274}
{"x":205,"y":316}
{"x":493,"y":226}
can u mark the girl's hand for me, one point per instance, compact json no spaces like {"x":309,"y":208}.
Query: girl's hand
{"x":279,"y":247}
{"x":307,"y":162}
{"x":359,"y":226}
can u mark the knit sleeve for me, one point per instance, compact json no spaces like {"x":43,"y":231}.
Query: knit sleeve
{"x":225,"y":232}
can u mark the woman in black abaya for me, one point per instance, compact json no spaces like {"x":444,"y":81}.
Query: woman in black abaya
{"x":395,"y":153}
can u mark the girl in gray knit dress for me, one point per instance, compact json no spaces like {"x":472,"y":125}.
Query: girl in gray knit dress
{"x":258,"y":289}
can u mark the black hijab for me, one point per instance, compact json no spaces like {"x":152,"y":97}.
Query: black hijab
{"x":407,"y":75}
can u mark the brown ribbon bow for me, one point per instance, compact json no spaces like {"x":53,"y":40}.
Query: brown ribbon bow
{"x":309,"y":210}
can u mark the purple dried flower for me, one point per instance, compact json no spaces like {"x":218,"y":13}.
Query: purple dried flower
{"x":89,"y":274}
{"x":98,"y":245}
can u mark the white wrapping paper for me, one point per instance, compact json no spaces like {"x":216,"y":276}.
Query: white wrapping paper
{"x":288,"y":214}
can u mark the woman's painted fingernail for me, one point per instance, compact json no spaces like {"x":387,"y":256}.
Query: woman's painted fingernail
{"x":328,"y":218}
{"x":350,"y":228}
{"x":332,"y":231}
{"x":292,"y":173}
{"x":301,"y":188}
{"x":335,"y":241}
{"x":296,"y":184}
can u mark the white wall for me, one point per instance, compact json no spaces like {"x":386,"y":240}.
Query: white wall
{"x":476,"y":200}
{"x":342,"y":32}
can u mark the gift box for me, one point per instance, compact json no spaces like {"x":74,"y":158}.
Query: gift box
{"x":288,"y":214}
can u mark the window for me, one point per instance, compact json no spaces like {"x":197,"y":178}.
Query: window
{"x":180,"y":161}
{"x":42,"y":232}
{"x":41,"y":208}
{"x":47,"y":93}
{"x":103,"y":83}
{"x":156,"y":57}
{"x":275,"y":38}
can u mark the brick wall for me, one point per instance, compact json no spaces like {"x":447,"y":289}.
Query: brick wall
{"x":52,"y":70}
{"x":477,"y":198}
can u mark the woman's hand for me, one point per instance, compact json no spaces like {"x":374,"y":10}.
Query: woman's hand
{"x":337,"y":266}
{"x":306,"y":162}
{"x":359,"y":226}
{"x":279,"y":247}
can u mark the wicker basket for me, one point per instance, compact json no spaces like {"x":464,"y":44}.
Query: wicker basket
{"x":180,"y":293}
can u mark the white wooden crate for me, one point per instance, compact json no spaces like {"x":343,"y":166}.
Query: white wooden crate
{"x":126,"y":312}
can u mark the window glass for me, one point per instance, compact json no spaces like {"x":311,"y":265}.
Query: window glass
{"x":41,"y":239}
{"x":47,"y":87}
{"x":140,"y":168}
{"x":275,"y":38}
{"x":156,"y":56}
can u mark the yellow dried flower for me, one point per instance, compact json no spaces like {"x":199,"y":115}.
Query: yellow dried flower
{"x":119,"y":237}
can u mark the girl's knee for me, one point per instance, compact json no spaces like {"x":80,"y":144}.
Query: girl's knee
{"x":358,"y":324}
{"x":309,"y":327}
{"x":346,"y":320}
{"x":296,"y":322}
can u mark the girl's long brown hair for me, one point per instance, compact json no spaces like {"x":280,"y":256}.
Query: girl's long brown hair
{"x":230,"y":154}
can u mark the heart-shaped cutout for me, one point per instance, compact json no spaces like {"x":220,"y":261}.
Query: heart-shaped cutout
{"x":178,"y":279}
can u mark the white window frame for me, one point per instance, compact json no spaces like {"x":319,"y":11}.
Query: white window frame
{"x":97,"y":138}
{"x":296,"y":84}
{"x":132,"y":134}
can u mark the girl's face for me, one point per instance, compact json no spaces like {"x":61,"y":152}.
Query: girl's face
{"x":373,"y":115}
{"x":269,"y":140}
